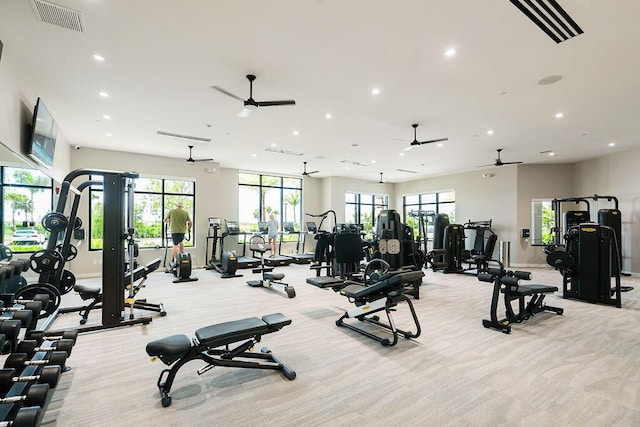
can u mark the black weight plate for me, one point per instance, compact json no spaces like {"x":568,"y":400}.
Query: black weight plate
{"x":67,"y":282}
{"x":54,"y":221}
{"x":72,"y":252}
{"x":560,"y":259}
{"x":57,"y":358}
{"x":50,"y":375}
{"x":5,"y":253}
{"x":77,"y":224}
{"x":27,"y":416}
{"x":29,"y":292}
{"x":45,"y":259}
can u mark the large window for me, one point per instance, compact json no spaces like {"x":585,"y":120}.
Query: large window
{"x":443,"y":202}
{"x":542,"y":222}
{"x":27,"y":195}
{"x":153,"y":199}
{"x":263,"y":195}
{"x":364,"y":209}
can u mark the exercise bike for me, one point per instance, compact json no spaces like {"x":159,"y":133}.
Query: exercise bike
{"x":269,"y":279}
{"x":181,"y":267}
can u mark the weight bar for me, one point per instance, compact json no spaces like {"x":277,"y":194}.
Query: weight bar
{"x":19,"y":361}
{"x":47,"y":375}
{"x":41,"y":336}
{"x":36,"y":395}
{"x":31,"y":347}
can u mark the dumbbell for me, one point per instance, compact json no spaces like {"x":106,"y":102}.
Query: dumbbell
{"x":24,"y":316}
{"x":31,"y":347}
{"x":34,"y":307}
{"x":36,"y":395}
{"x":46,"y":375}
{"x":42,"y":336}
{"x":10,"y":329}
{"x":19,"y":361}
{"x":25,"y":417}
{"x":9,"y":299}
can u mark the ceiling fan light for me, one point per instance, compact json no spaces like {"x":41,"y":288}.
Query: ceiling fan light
{"x":250,"y":107}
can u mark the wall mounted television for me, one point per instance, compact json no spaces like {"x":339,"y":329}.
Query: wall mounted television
{"x":42,"y":145}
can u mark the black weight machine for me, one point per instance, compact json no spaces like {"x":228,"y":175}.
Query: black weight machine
{"x":118,"y":212}
{"x":324,"y":255}
{"x":228,"y":263}
{"x":268,"y":280}
{"x":484,"y":244}
{"x":507,"y":282}
{"x":425,"y":218}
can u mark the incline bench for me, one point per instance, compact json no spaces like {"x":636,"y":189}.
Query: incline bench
{"x":177,"y":350}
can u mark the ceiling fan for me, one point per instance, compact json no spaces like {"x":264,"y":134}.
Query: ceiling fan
{"x":378,"y":182}
{"x":191,"y":160}
{"x":499,"y":161}
{"x":250,"y":103}
{"x":415,"y":141}
{"x":305,"y":173}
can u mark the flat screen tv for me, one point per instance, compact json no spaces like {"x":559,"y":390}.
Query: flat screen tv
{"x":43,"y":137}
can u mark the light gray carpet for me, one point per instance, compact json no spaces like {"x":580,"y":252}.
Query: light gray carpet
{"x":579,"y":369}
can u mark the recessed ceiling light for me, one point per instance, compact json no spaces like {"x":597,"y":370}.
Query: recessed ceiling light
{"x":98,"y":57}
{"x":328,"y":116}
{"x":552,"y":153}
{"x":104,"y":94}
{"x":401,"y":154}
{"x":106,"y":116}
{"x":375,"y":91}
{"x":559,"y":115}
{"x":254,"y":155}
{"x":373,"y":161}
{"x":347,"y":168}
{"x":612,"y":144}
{"x":109,"y":134}
{"x":450,"y":52}
{"x":440,"y":145}
{"x":273,"y":144}
{"x":296,"y":133}
{"x":490,"y":132}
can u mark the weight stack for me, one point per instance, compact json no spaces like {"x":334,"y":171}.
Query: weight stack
{"x":613,"y":218}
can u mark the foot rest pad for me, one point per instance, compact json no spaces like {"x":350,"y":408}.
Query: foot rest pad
{"x":351,"y":290}
{"x":87,"y":292}
{"x":169,"y":349}
{"x":274,"y":276}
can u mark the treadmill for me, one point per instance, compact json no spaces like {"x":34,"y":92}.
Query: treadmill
{"x":273,"y":260}
{"x":298,"y":257}
{"x":233,"y":229}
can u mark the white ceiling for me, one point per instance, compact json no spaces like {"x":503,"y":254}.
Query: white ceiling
{"x":162,"y":57}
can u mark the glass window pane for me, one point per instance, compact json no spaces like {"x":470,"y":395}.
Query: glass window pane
{"x":24,"y":208}
{"x":380,"y":200}
{"x":178,"y":187}
{"x":350,"y":213}
{"x":292,"y":209}
{"x":366,"y":199}
{"x":449,"y":196}
{"x":249,"y":207}
{"x":97,"y":220}
{"x":271,"y":181}
{"x":148,"y":220}
{"x":449,"y":209}
{"x":350,"y":197}
{"x":412,"y":200}
{"x":148,"y":184}
{"x":542,"y":222}
{"x":248,"y":178}
{"x":292,"y":182}
{"x":271,"y":204}
{"x":26,"y":177}
{"x":428,"y":198}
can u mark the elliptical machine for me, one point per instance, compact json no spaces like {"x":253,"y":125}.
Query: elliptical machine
{"x":181,"y":268}
{"x":257,"y":244}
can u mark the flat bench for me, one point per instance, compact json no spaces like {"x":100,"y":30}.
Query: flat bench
{"x":211,"y":344}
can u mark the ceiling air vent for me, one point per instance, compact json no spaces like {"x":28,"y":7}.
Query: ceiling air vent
{"x":177,"y":135}
{"x":290,"y":153}
{"x":351,"y":162}
{"x":58,"y":15}
{"x":405,"y":171}
{"x":550,"y":17}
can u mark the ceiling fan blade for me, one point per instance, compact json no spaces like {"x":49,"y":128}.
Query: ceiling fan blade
{"x":408,"y":148}
{"x":433,"y":140}
{"x":274,"y":103}
{"x":490,"y":164}
{"x":219,"y":89}
{"x":202,"y":160}
{"x":309,"y":173}
{"x":511,"y":163}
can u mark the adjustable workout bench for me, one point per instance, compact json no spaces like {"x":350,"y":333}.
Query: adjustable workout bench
{"x":506,"y":281}
{"x":95,"y":293}
{"x":177,"y":350}
{"x":384,"y":294}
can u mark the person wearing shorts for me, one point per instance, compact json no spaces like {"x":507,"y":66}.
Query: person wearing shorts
{"x":180,"y":224}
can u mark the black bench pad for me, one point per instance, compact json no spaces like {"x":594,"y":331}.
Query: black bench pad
{"x":172,"y":347}
{"x":526,"y":290}
{"x":87,"y":291}
{"x":389,"y":283}
{"x":229,"y":332}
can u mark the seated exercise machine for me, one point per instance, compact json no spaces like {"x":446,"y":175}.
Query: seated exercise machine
{"x":211,"y":344}
{"x":94,"y":293}
{"x":383,"y":290}
{"x":507,"y":283}
{"x":269,"y":279}
{"x":324,"y":255}
{"x":228,"y":263}
{"x":182,"y":266}
{"x":484,"y":244}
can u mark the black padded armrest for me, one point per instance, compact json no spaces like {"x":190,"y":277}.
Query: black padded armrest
{"x":276,"y":321}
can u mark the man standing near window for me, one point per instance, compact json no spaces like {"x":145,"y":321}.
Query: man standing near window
{"x":180,"y":223}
